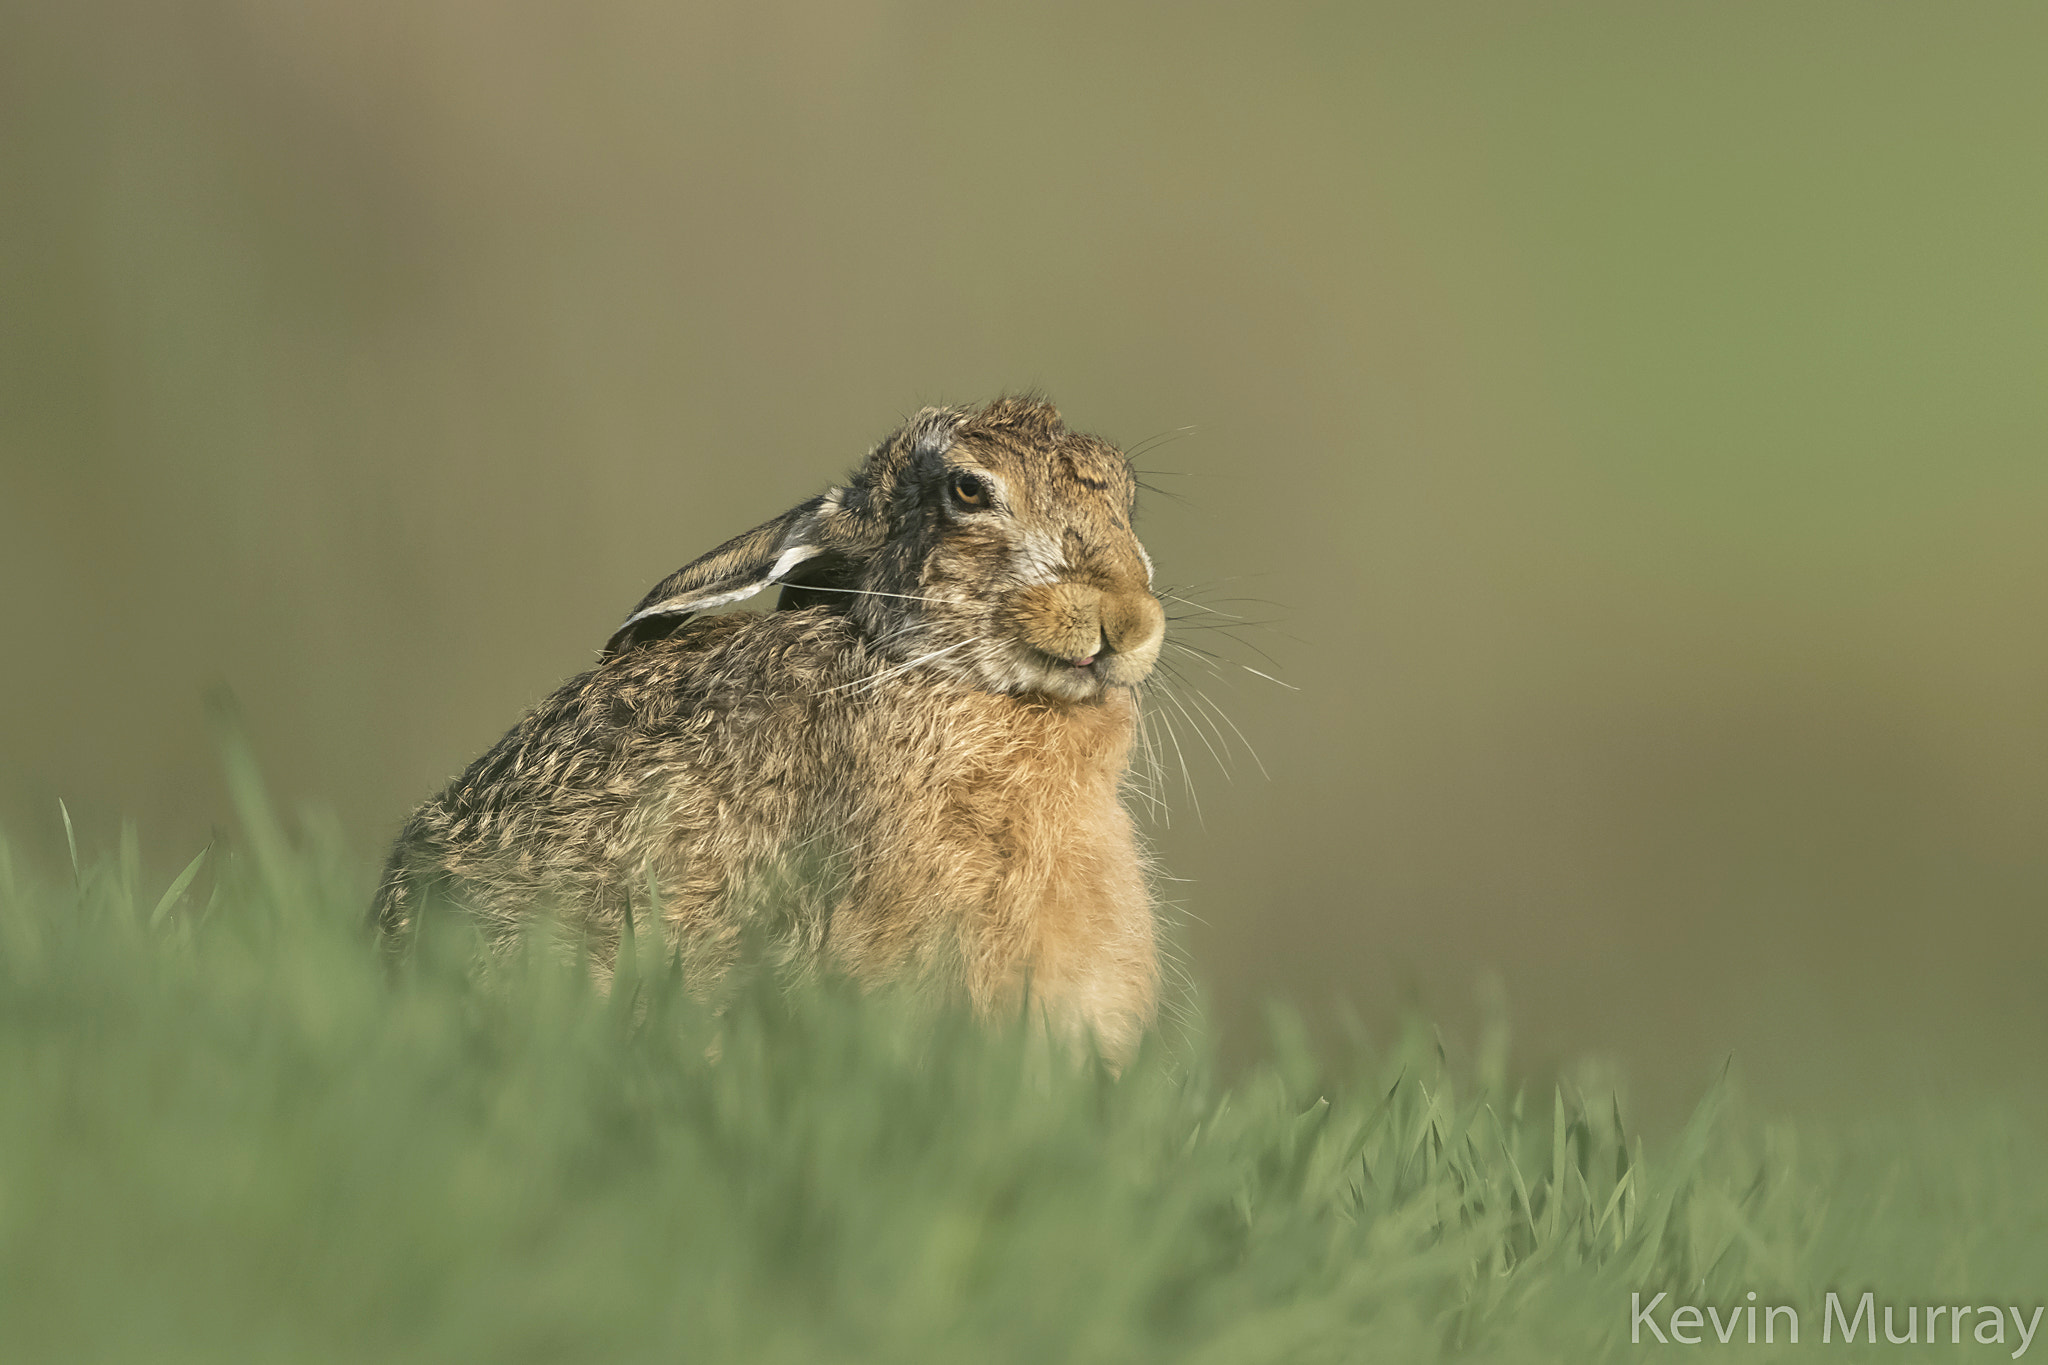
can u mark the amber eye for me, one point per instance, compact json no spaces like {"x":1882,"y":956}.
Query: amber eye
{"x":969,"y":490}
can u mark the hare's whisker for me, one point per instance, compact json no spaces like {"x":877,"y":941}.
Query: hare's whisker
{"x":1188,"y":622}
{"x":1145,"y":777}
{"x":1198,"y":597}
{"x":1201,"y":583}
{"x":1201,"y":733}
{"x":1204,"y":699}
{"x":1229,"y":628}
{"x":1214,"y":606}
{"x":1206,"y":714}
{"x":1213,"y":663}
{"x":871,"y":592}
{"x":1164,"y":438}
{"x":1157,"y":750}
{"x":1187,"y":778}
{"x":1268,"y":677}
{"x":1199,"y":656}
{"x":1255,"y":601}
{"x":899,"y":632}
{"x":1199,"y":606}
{"x":902,"y":668}
{"x":1218,"y":658}
{"x":1160,"y":492}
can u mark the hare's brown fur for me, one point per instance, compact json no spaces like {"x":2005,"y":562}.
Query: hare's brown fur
{"x":912,"y":772}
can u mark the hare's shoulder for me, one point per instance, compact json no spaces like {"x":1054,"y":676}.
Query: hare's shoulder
{"x":747,"y":650}
{"x":607,"y":719}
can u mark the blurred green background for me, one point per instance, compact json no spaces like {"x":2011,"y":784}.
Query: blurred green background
{"x":1634,"y":416}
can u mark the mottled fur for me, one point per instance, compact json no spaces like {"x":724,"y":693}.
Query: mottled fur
{"x":912,"y":770}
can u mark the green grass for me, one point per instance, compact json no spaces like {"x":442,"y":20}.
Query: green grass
{"x":227,"y":1133}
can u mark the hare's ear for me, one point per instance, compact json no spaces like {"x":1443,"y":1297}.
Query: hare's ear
{"x":739,"y":568}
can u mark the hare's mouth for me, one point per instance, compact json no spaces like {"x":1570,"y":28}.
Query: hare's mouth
{"x":1057,"y":675}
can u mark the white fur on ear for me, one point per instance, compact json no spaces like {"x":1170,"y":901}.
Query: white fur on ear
{"x":679,"y":606}
{"x":790,"y":558}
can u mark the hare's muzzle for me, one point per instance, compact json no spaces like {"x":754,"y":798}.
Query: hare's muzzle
{"x":1091,"y":636}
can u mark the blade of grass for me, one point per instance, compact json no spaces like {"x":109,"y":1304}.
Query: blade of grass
{"x":178,"y":887}
{"x":70,"y":840}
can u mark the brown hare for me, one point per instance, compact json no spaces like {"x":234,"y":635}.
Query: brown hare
{"x":910,"y":770}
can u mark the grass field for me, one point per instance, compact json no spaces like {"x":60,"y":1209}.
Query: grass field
{"x":227,"y":1134}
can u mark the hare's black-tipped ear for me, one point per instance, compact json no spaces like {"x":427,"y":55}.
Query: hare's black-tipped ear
{"x":739,"y":568}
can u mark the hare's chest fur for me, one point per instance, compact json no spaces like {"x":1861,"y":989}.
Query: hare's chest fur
{"x":1000,"y":854}
{"x":895,"y":825}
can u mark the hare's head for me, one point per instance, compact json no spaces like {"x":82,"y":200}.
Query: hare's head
{"x":989,"y":542}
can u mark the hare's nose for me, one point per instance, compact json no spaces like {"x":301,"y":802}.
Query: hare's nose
{"x":1134,"y":624}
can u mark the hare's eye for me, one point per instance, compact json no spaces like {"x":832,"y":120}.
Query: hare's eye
{"x":969,"y":490}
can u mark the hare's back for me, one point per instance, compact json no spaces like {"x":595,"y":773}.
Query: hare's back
{"x":715,"y":727}
{"x":714,"y":698}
